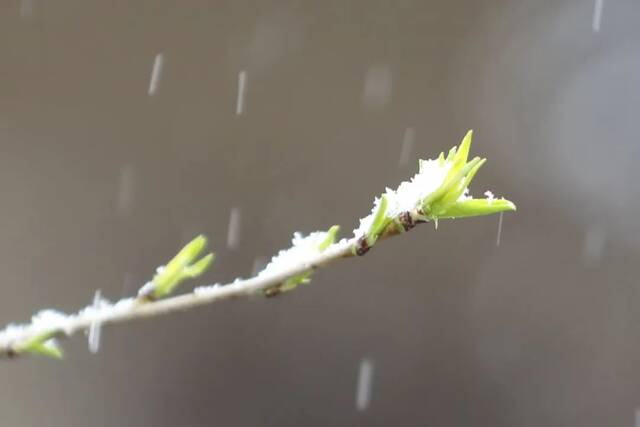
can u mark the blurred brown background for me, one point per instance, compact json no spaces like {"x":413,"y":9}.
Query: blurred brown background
{"x":101,"y":182}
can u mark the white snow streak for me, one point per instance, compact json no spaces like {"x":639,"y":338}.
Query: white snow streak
{"x":408,"y":141}
{"x":597,"y":15}
{"x":156,"y":74}
{"x":94,"y":330}
{"x":365,"y":384}
{"x":233,"y":233}
{"x":242,"y":88}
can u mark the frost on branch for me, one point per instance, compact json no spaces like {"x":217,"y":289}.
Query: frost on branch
{"x":303,"y":250}
{"x":39,"y":336}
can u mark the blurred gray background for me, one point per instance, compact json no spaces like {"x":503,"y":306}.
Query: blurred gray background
{"x":104,"y":174}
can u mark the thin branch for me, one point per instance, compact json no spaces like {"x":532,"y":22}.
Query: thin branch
{"x":138,"y":308}
{"x":438,"y":190}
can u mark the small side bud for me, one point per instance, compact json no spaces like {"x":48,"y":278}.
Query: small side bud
{"x":289,"y":284}
{"x":199,"y":267}
{"x":43,"y":345}
{"x":447,"y":201}
{"x":332,"y":233}
{"x":181,"y":267}
{"x":379,"y":223}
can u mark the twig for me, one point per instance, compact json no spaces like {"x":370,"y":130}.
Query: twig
{"x":138,"y":308}
{"x":439,"y":190}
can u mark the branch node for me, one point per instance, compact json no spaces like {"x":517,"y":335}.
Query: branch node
{"x":362,"y":246}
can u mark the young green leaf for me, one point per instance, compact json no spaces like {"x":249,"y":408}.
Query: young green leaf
{"x":181,"y":267}
{"x":477,"y":207}
{"x":444,"y":201}
{"x":467,"y":173}
{"x":330,"y":239}
{"x":199,"y":267}
{"x":451,"y":154}
{"x":379,"y":223}
{"x":463,"y":152}
{"x":295,"y":281}
{"x":43,"y":345}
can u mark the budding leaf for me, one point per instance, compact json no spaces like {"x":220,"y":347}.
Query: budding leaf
{"x":446,"y":200}
{"x":465,"y":146}
{"x":43,"y":345}
{"x":330,"y":239}
{"x":462,"y":179}
{"x":379,"y":223}
{"x":183,"y":266}
{"x":295,"y":281}
{"x":199,"y":267}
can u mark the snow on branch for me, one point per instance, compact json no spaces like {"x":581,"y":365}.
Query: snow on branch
{"x":438,"y":191}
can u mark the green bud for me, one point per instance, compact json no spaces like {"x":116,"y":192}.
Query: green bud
{"x":379,"y":223}
{"x":330,"y":239}
{"x":463,"y":152}
{"x":199,"y":267}
{"x":183,"y":266}
{"x":43,"y":345}
{"x":443,"y":202}
{"x":295,"y":281}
